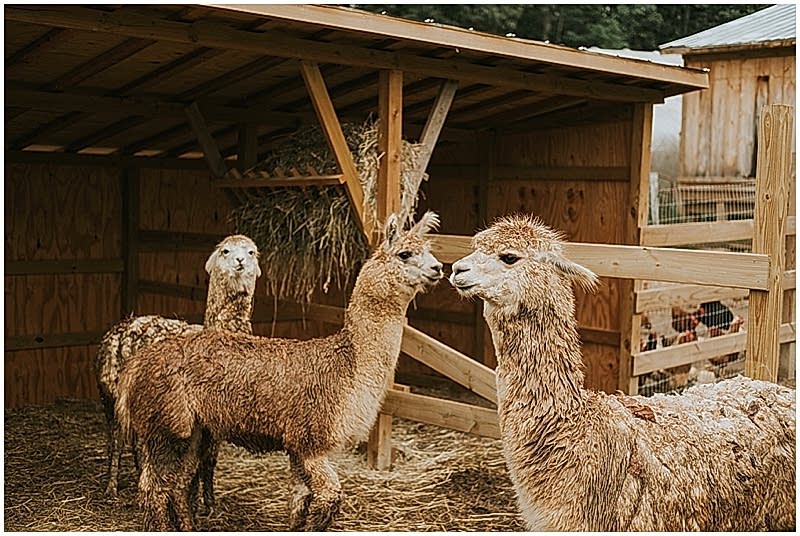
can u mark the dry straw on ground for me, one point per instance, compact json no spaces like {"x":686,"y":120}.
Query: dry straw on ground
{"x":310,"y":237}
{"x":441,"y":481}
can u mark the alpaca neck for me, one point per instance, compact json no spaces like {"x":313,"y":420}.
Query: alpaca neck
{"x":539,"y":366}
{"x":374,"y":321}
{"x":228,"y":309}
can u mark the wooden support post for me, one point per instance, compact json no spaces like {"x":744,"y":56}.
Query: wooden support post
{"x":206,"y":141}
{"x":248,"y":147}
{"x":635,"y":219}
{"x":788,"y":356}
{"x":379,"y":445}
{"x":338,"y":144}
{"x":390,"y":139}
{"x":130,"y":240}
{"x":486,"y":147}
{"x":769,"y":221}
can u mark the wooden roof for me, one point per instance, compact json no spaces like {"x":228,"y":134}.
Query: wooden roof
{"x":118,"y":80}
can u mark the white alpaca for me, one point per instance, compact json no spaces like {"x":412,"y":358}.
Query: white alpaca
{"x":719,"y":457}
{"x":233,"y":269}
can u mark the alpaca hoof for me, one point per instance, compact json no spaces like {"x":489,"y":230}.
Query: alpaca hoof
{"x":321,"y":516}
{"x":111,"y":490}
{"x":298,"y":512}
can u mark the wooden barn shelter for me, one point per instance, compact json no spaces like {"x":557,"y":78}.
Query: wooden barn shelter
{"x":128,"y":129}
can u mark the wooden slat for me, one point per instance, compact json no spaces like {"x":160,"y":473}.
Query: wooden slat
{"x":379,"y":444}
{"x":463,"y":370}
{"x":513,"y":173}
{"x":36,"y":157}
{"x":444,"y":413}
{"x":683,"y":354}
{"x":660,"y":298}
{"x":433,"y":128}
{"x":790,"y":280}
{"x":317,"y":180}
{"x":219,"y":36}
{"x":64,"y":266}
{"x":772,"y":195}
{"x":206,"y":141}
{"x":740,"y":270}
{"x":51,"y":340}
{"x":333,"y":132}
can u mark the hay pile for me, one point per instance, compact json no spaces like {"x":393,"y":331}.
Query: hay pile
{"x":441,"y":481}
{"x":310,"y":237}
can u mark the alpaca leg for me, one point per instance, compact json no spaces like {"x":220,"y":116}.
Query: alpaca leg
{"x":209,"y":450}
{"x":185,"y":476}
{"x":153,"y":500}
{"x":112,"y":443}
{"x":299,"y":494}
{"x":326,"y":493}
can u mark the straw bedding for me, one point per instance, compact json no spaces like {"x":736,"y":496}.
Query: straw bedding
{"x":441,"y":481}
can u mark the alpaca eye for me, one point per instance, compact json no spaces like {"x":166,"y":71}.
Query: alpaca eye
{"x":251,"y":252}
{"x":509,"y":258}
{"x":404,"y":255}
{"x":225,"y":251}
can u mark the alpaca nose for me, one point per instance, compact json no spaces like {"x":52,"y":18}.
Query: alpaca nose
{"x":240,"y":260}
{"x":459,"y":268}
{"x":437,"y":269}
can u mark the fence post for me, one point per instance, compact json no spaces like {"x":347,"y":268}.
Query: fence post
{"x":769,"y":222}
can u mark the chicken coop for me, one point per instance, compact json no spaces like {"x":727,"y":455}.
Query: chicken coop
{"x":137,"y":136}
{"x":751,"y":62}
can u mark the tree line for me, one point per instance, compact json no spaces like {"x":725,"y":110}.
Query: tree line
{"x":634,"y":26}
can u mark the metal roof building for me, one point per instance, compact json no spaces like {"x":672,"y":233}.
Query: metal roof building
{"x":774,"y":27}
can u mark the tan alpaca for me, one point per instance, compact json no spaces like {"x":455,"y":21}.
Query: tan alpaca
{"x":720,"y":457}
{"x":304,"y":397}
{"x":233,"y":269}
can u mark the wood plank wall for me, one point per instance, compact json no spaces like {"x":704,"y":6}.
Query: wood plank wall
{"x":719,"y":124}
{"x":576,"y":180}
{"x":57,"y":213}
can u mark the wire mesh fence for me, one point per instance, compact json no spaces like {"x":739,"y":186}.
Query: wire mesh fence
{"x":683,"y":323}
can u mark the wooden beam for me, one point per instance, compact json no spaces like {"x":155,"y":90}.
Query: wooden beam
{"x":660,"y":298}
{"x":59,"y":158}
{"x":51,"y":340}
{"x":157,"y":106}
{"x":48,"y":128}
{"x":333,"y":133}
{"x":461,"y":39}
{"x":443,"y":413}
{"x":433,"y":128}
{"x":463,"y":370}
{"x":130,"y":243}
{"x":100,"y":63}
{"x":206,"y":141}
{"x":105,"y":133}
{"x":739,"y":270}
{"x":39,"y":44}
{"x":215,"y":35}
{"x":679,"y":234}
{"x":773,"y":174}
{"x":63,"y":266}
{"x":390,"y":147}
{"x":171,"y":69}
{"x":273,"y":182}
{"x":691,"y":352}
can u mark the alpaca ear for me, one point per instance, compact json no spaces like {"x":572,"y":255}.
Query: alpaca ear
{"x":586,"y":278}
{"x":210,"y":261}
{"x":391,"y":229}
{"x":428,"y":222}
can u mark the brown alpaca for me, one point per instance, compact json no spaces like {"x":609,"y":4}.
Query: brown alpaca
{"x":304,"y":397}
{"x":233,"y":270}
{"x":720,"y":457}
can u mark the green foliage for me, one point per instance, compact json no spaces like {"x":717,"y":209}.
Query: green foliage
{"x":635,"y":26}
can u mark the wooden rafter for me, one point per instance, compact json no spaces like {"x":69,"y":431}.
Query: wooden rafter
{"x":105,"y":133}
{"x":100,"y":63}
{"x":220,"y":36}
{"x":171,"y":69}
{"x":206,"y":141}
{"x":59,"y":123}
{"x":333,"y":132}
{"x":37,"y":45}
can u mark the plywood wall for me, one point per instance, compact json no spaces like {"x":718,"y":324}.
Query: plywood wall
{"x":58,"y":213}
{"x":719,"y":125}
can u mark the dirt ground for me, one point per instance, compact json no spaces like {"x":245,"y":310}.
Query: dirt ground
{"x":441,"y":480}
